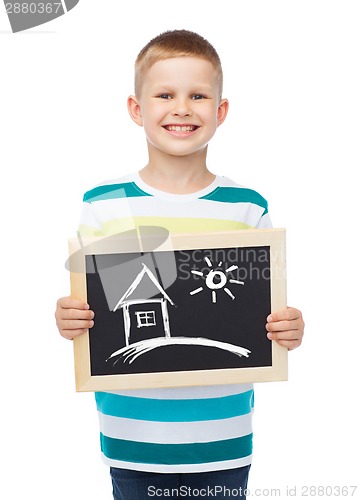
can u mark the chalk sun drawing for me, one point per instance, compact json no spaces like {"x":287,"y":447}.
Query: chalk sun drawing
{"x":214,"y":280}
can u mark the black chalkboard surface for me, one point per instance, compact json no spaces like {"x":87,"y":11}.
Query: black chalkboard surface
{"x":179,"y":310}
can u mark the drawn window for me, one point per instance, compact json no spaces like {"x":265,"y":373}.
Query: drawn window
{"x":145,"y":318}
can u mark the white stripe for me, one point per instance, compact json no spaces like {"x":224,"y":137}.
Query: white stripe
{"x":206,"y":209}
{"x":88,"y":217}
{"x":195,"y":392}
{"x":206,"y":467}
{"x":108,"y":210}
{"x":175,"y":432}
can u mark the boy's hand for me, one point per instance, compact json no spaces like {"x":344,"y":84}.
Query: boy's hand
{"x":73,"y":317}
{"x":286,"y":327}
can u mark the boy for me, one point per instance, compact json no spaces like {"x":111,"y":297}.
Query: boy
{"x":153,"y":445}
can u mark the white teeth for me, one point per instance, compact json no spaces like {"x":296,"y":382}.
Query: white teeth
{"x":179,"y":128}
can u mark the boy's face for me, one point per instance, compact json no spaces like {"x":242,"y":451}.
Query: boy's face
{"x":179,"y":105}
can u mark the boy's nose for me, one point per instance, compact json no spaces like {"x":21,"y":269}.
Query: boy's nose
{"x":181,"y":108}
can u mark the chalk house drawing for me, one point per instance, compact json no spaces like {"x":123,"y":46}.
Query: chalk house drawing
{"x":145,"y":318}
{"x":139,"y":314}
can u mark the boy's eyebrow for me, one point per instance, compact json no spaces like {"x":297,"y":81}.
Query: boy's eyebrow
{"x":169,"y":87}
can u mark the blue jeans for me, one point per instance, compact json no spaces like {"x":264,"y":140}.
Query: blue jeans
{"x":133,"y":485}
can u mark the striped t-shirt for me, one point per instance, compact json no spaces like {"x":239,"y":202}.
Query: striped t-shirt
{"x":185,"y":429}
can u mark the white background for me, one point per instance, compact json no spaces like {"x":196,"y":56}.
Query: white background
{"x":290,"y":71}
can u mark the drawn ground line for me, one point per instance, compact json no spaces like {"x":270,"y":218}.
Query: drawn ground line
{"x":135,"y":350}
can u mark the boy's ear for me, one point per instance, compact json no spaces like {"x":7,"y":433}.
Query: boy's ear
{"x":134,"y":110}
{"x":222,"y":110}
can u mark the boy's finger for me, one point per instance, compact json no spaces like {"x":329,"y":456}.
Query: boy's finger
{"x":68,"y":314}
{"x":77,"y":324}
{"x":288,"y":314}
{"x":69,"y":330}
{"x":282,"y":326}
{"x":286,"y":335}
{"x":71,"y":303}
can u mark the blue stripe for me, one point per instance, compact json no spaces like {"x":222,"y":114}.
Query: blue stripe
{"x":171,"y":454}
{"x":175,"y":410}
{"x":227,"y":194}
{"x":111,"y":191}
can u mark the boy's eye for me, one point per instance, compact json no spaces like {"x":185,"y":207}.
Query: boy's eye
{"x":194,"y":97}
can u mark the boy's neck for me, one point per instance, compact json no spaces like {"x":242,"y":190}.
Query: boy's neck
{"x":177,"y":174}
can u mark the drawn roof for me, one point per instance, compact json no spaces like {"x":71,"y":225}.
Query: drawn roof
{"x":137,"y":280}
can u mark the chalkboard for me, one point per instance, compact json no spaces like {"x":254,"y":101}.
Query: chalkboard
{"x":177,"y":310}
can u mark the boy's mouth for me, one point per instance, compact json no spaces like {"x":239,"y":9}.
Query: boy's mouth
{"x":181,"y":128}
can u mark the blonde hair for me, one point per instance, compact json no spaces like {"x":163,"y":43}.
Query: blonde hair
{"x":176,"y":43}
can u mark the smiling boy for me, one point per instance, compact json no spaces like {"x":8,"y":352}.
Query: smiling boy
{"x":192,"y":437}
{"x":179,"y":105}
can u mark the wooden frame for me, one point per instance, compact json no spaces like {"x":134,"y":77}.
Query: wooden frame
{"x":140,"y":242}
